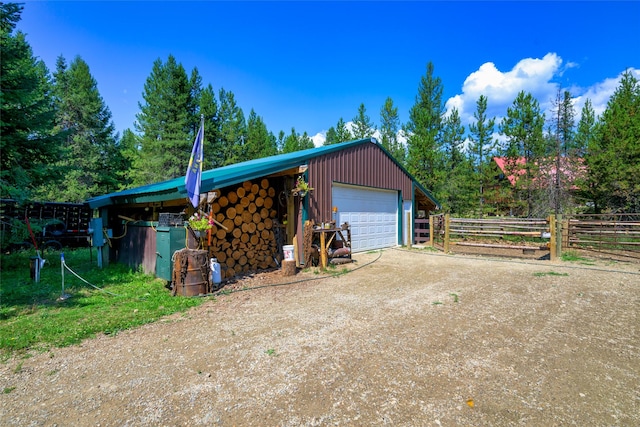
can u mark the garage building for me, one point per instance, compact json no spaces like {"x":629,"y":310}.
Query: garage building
{"x":356,"y":182}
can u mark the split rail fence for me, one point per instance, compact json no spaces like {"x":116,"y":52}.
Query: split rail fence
{"x":616,"y":234}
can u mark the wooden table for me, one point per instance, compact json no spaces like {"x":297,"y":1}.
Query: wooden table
{"x":327,"y":235}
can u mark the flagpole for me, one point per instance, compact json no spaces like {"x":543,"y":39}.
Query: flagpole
{"x":194,"y":170}
{"x":202,"y":142}
{"x":202,"y":127}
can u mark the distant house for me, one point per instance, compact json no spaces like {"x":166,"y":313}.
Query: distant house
{"x":570,"y":169}
{"x":257,"y":207}
{"x":545,"y":182}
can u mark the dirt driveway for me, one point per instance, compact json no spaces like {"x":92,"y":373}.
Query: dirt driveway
{"x":412,"y":339}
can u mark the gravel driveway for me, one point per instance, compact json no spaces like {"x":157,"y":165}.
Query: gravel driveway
{"x":407,"y":339}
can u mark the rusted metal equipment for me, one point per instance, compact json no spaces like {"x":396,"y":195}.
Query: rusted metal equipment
{"x":191,"y":273}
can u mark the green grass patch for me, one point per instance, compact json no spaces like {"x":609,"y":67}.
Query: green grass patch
{"x":572,"y":256}
{"x":34,"y":318}
{"x":549,"y":273}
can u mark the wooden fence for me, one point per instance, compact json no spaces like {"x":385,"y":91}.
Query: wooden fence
{"x":421,"y":230}
{"x":617,"y":234}
{"x":524,"y":234}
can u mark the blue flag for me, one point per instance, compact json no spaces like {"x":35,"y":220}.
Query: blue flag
{"x":194,"y":171}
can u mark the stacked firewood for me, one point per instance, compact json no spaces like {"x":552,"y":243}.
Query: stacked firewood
{"x":246,"y":240}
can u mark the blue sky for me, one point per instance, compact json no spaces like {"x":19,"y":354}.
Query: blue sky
{"x":307,"y":64}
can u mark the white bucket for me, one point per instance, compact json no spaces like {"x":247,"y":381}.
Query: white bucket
{"x":216,"y":273}
{"x":288,"y":252}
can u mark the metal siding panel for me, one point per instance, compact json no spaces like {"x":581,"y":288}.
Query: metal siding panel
{"x":364,"y":164}
{"x":137,"y":248}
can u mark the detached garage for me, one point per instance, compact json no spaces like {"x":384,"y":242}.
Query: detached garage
{"x":356,"y":182}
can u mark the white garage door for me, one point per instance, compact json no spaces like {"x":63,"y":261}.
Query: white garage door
{"x":372,"y":214}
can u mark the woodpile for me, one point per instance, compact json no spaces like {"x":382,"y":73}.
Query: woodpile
{"x":246,"y":242}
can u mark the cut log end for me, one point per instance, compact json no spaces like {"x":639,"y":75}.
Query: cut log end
{"x":289,"y":268}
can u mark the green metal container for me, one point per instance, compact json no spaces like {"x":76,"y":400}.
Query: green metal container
{"x":168,"y":240}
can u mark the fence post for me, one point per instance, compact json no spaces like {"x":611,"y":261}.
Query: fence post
{"x":409,"y":234}
{"x":553,"y":255}
{"x":446,"y":233}
{"x":431,"y":230}
{"x":565,"y":233}
{"x":563,"y":230}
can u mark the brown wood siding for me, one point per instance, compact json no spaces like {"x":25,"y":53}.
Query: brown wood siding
{"x":364,"y":164}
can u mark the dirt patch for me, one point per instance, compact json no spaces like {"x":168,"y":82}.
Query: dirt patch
{"x":411,"y":338}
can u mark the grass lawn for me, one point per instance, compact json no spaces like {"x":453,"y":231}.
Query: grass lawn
{"x":33,"y":317}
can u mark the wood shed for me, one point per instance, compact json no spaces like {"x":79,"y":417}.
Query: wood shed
{"x":258,"y":207}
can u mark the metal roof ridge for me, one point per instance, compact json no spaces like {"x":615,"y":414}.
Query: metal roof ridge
{"x":280,"y":162}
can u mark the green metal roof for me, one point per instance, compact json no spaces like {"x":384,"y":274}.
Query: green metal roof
{"x":233,"y":174}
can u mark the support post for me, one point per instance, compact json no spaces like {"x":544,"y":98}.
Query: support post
{"x":431,"y":230}
{"x":553,"y":255}
{"x":446,"y":233}
{"x":560,"y":230}
{"x":409,"y":234}
{"x":323,"y":250}
{"x":104,"y":252}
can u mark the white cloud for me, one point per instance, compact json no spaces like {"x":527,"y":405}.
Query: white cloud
{"x":534,"y":75}
{"x":599,"y":93}
{"x":319,"y":138}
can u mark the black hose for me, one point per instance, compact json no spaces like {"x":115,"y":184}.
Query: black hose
{"x":273,"y":285}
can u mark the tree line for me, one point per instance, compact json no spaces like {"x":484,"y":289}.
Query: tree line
{"x":59,"y":142}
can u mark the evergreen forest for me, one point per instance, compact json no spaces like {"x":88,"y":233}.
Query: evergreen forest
{"x":58,"y":141}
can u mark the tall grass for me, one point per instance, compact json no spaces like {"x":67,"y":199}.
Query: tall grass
{"x":33,"y":317}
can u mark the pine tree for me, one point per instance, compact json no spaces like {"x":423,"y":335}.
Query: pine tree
{"x":338,"y":134}
{"x":561,"y":137}
{"x":208,"y":109}
{"x":481,"y":150}
{"x":130,"y":151}
{"x":305,"y":142}
{"x":589,"y":190}
{"x":91,"y":162}
{"x":291,"y":142}
{"x":166,"y":122}
{"x":613,"y":158}
{"x":586,"y":130}
{"x":280,"y":141}
{"x":523,"y":129}
{"x":453,"y":139}
{"x":296,"y":142}
{"x":233,"y":128}
{"x":260,"y":142}
{"x":389,"y":128}
{"x":425,"y":160}
{"x":28,"y":141}
{"x":331,"y":137}
{"x":567,"y":124}
{"x":455,"y":189}
{"x":363,"y":127}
